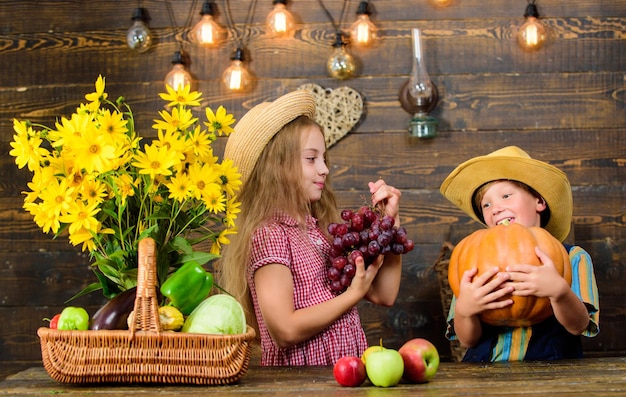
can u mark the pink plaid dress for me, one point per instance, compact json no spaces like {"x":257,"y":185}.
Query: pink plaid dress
{"x":281,"y":241}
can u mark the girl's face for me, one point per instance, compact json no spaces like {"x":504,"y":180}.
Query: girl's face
{"x":314,"y":169}
{"x":507,"y":201}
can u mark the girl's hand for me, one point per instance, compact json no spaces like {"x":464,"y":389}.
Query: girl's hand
{"x":541,"y":281}
{"x":363,"y":278}
{"x":387,"y":197}
{"x":479,"y":294}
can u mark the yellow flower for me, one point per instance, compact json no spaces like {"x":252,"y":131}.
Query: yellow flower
{"x":232,"y":209}
{"x":92,"y":190}
{"x":229,"y":177}
{"x":213,"y":198}
{"x":202,"y":177}
{"x":180,"y":187}
{"x":26,"y":146}
{"x":181,"y":96}
{"x":201,"y":143}
{"x":46,"y":220}
{"x":99,"y":95}
{"x":114,"y":126}
{"x":81,"y":216}
{"x":69,"y":130}
{"x":222,"y":240}
{"x":178,"y":120}
{"x":156,"y":161}
{"x":57,"y":196}
{"x":123,"y":187}
{"x":93,"y":152}
{"x":219,"y":122}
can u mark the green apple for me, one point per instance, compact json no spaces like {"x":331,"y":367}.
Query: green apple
{"x":369,"y":350}
{"x":384,"y":367}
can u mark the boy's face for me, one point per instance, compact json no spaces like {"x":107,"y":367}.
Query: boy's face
{"x":507,"y":201}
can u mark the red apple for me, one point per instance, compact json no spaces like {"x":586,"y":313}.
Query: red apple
{"x":421,"y":360}
{"x":349,"y":371}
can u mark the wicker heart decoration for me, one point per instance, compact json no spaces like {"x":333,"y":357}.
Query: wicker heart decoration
{"x":338,"y":110}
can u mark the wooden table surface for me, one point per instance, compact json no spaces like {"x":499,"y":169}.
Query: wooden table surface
{"x":589,"y":376}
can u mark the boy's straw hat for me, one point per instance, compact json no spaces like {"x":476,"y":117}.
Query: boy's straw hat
{"x":513,"y":163}
{"x":259,"y":125}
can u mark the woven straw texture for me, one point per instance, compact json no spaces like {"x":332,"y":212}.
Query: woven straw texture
{"x":441,"y":267}
{"x":338,"y":110}
{"x":144,"y":353}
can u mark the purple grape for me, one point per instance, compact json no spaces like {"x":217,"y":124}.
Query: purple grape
{"x":349,"y":270}
{"x":334,"y":273}
{"x":340,"y":262}
{"x":356,"y":222}
{"x":373,"y":248}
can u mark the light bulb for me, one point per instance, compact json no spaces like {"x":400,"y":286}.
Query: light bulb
{"x":363,"y":31}
{"x":279,"y":21}
{"x":207,"y":32}
{"x":532,"y":34}
{"x":236,"y":76}
{"x":340,"y":65}
{"x":441,"y":3}
{"x":178,"y":77}
{"x":139,"y":37}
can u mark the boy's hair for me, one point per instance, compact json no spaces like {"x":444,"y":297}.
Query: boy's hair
{"x":274,"y":184}
{"x":480,"y":193}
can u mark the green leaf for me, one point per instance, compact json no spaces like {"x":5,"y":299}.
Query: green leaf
{"x":87,"y":290}
{"x":181,"y":244}
{"x":198,"y":256}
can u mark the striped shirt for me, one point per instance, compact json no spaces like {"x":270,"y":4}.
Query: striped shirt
{"x":512,"y":342}
{"x":306,"y":253}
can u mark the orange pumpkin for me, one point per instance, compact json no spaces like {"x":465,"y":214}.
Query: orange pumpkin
{"x":505,"y":245}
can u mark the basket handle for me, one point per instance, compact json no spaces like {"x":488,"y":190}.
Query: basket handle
{"x":146,"y":310}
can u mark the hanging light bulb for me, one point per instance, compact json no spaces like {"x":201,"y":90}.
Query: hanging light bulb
{"x":363,"y":31}
{"x":178,"y":77}
{"x":341,"y":64}
{"x":207,"y":32}
{"x":532,"y":34}
{"x":236,"y":76}
{"x":419,"y":95}
{"x":441,"y":3}
{"x":139,"y":37}
{"x":279,"y":21}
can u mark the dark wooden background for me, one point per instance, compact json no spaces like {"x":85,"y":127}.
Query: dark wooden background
{"x":564,"y":104}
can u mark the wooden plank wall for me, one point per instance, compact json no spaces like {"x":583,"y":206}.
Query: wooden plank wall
{"x":564,"y":104}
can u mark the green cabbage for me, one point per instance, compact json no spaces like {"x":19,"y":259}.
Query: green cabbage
{"x":217,"y":314}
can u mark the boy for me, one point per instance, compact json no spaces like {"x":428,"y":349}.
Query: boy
{"x":509,"y":186}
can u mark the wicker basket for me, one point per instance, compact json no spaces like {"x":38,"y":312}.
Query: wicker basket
{"x":441,"y":267}
{"x":144,"y":353}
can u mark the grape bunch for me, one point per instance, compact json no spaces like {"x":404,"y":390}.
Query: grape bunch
{"x":366,"y":233}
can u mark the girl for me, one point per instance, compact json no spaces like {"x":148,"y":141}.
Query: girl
{"x":276,"y":264}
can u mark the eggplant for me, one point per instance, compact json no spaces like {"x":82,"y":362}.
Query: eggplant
{"x":114,"y":314}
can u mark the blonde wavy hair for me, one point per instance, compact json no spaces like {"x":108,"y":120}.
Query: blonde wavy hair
{"x":273,"y":185}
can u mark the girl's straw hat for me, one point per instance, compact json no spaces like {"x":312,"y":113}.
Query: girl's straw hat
{"x":259,"y":125}
{"x":513,"y":163}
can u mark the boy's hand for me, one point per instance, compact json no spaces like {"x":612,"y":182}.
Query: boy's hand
{"x":542,"y":281}
{"x":477,"y":294}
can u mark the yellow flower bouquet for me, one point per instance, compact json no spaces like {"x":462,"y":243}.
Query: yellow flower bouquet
{"x":93,"y":182}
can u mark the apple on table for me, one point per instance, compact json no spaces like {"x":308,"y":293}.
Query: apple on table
{"x":421,"y":360}
{"x":349,"y":371}
{"x":384,"y":366}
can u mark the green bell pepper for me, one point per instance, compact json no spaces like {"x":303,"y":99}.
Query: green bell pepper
{"x":187,"y":287}
{"x":73,"y":318}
